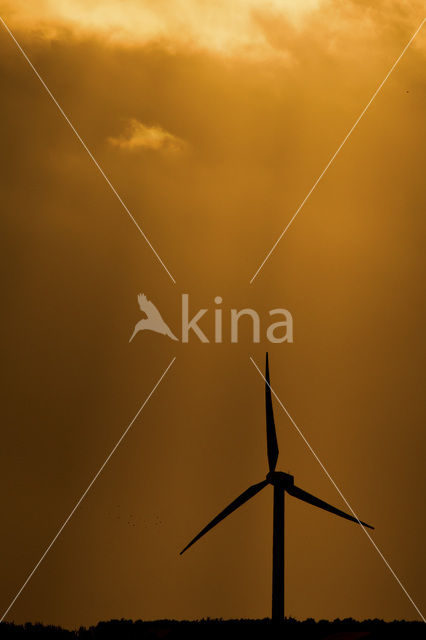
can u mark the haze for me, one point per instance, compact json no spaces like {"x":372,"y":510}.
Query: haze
{"x":212,"y":120}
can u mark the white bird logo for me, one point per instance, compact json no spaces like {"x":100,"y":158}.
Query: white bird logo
{"x":153,"y":321}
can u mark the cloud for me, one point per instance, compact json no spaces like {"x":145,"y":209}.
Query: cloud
{"x":259,"y":30}
{"x":141,"y":136}
{"x":224,"y":27}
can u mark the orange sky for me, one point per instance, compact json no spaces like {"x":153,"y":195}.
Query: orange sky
{"x":212,"y":121}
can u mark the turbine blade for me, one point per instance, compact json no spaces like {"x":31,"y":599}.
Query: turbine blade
{"x":244,"y":497}
{"x":271,"y":436}
{"x":296,"y":492}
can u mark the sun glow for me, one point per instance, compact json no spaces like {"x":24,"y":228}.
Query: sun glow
{"x":227,"y":27}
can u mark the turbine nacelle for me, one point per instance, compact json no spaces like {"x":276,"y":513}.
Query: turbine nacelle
{"x":280,"y":479}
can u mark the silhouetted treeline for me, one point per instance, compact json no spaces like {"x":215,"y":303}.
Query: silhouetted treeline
{"x":291,"y":629}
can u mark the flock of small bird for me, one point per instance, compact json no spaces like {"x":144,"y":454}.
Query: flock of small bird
{"x":156,"y":520}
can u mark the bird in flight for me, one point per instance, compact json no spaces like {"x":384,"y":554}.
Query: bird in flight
{"x":153,"y":320}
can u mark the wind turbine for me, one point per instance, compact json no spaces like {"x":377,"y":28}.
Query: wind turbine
{"x":282,"y":483}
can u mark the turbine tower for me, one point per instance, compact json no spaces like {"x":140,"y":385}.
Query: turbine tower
{"x":282,"y":483}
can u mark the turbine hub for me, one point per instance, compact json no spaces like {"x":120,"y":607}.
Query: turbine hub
{"x":280,"y":479}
